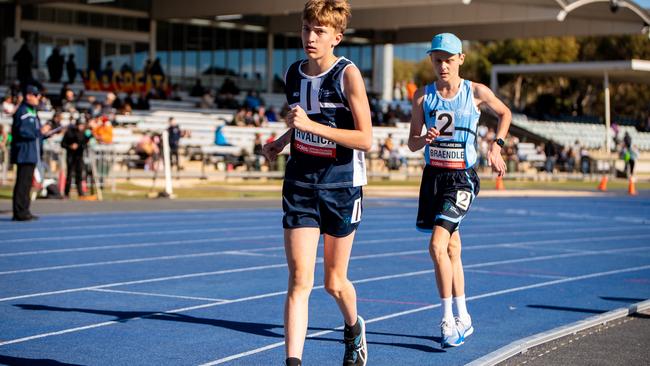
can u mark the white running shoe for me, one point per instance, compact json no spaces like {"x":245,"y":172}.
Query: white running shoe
{"x":450,"y":335}
{"x":464,"y":328}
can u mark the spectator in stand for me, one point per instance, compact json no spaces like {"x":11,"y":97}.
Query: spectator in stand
{"x":271,"y":138}
{"x":239,"y":119}
{"x":143,"y":102}
{"x":55,"y":65}
{"x":24,"y":60}
{"x":397,"y":91}
{"x":510,"y":152}
{"x":253,"y":100}
{"x":111,"y":103}
{"x":197,"y":90}
{"x":219,"y":137}
{"x":229,"y":87}
{"x":74,"y":142}
{"x":549,"y":152}
{"x":71,"y":69}
{"x":96,"y":109}
{"x":175,"y":134}
{"x":585,"y":160}
{"x":207,"y":100}
{"x":411,"y":88}
{"x":103,"y":131}
{"x":8,"y":106}
{"x":44,"y":104}
{"x":387,"y":148}
{"x":69,"y":103}
{"x":147,"y":149}
{"x":156,"y":68}
{"x":176,"y":93}
{"x":108,"y":71}
{"x":271,"y":116}
{"x":258,"y":153}
{"x":259,"y":118}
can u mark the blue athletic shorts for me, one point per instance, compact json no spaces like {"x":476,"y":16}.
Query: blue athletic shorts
{"x":445,"y":197}
{"x":337,"y":211}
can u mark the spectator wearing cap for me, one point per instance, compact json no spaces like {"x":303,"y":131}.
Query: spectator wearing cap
{"x":74,"y":142}
{"x":25,"y":146}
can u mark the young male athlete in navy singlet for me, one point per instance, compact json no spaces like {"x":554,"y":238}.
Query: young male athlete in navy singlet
{"x":449,"y":111}
{"x":330,"y":129}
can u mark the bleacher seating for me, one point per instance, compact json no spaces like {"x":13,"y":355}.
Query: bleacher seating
{"x":590,"y":135}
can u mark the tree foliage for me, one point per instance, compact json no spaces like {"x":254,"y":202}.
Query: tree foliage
{"x":548,"y":96}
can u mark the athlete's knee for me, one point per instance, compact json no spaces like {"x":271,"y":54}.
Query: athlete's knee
{"x":438,"y":250}
{"x":335,"y":285}
{"x":301,"y":283}
{"x":453,"y":250}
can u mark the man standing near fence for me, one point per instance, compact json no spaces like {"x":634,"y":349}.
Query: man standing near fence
{"x":25,"y":146}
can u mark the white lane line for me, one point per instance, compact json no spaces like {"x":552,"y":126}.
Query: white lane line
{"x":567,"y":215}
{"x":237,"y":238}
{"x":137,"y":233}
{"x":251,"y":251}
{"x":366,"y":227}
{"x":278,"y":293}
{"x":158,"y":295}
{"x":515,"y":274}
{"x":428,"y":307}
{"x":266,"y":267}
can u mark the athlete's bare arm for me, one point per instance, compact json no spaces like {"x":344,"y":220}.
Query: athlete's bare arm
{"x":416,"y":140}
{"x":272,"y":149}
{"x":355,"y":92}
{"x":486,"y":98}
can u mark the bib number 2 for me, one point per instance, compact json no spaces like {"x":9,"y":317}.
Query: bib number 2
{"x":445,"y":123}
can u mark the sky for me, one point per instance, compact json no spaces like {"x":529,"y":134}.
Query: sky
{"x":644,"y":3}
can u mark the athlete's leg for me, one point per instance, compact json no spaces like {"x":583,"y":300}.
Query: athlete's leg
{"x":337,"y":256}
{"x":438,"y":252}
{"x":300,"y":246}
{"x":453,"y":250}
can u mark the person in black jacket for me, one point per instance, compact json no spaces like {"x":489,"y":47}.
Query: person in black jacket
{"x":25,"y":146}
{"x":74,"y":142}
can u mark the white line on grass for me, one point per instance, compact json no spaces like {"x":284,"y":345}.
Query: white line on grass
{"x":373,"y":279}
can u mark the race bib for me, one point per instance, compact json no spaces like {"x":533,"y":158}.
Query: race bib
{"x":314,"y":145}
{"x":447,"y":154}
{"x":445,"y":124}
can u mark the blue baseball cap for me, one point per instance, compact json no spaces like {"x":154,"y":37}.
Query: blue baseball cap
{"x":31,"y":89}
{"x":446,"y":42}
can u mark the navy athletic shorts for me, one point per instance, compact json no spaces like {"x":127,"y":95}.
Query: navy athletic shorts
{"x":337,"y":211}
{"x":445,"y":197}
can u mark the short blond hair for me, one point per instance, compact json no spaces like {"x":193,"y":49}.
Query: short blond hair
{"x":333,"y":13}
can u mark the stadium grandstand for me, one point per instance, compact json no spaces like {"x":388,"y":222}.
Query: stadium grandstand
{"x":212,"y":65}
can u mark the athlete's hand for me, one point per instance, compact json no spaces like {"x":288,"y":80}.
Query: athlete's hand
{"x":272,"y":149}
{"x":297,"y":118}
{"x":431,"y":135}
{"x":495,"y":160}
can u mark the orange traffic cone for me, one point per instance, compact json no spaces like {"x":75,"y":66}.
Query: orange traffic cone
{"x":603,"y":184}
{"x":500,"y":186}
{"x":631,"y":188}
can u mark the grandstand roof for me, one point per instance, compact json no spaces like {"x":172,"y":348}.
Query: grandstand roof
{"x":400,"y":21}
{"x":636,"y":71}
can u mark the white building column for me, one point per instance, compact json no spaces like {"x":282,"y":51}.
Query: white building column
{"x":269,"y":62}
{"x":608,"y":131}
{"x":382,"y":75}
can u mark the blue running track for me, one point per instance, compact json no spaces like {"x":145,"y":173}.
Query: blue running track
{"x":207,"y":286}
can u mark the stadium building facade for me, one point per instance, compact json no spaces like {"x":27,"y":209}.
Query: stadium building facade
{"x":253,"y":42}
